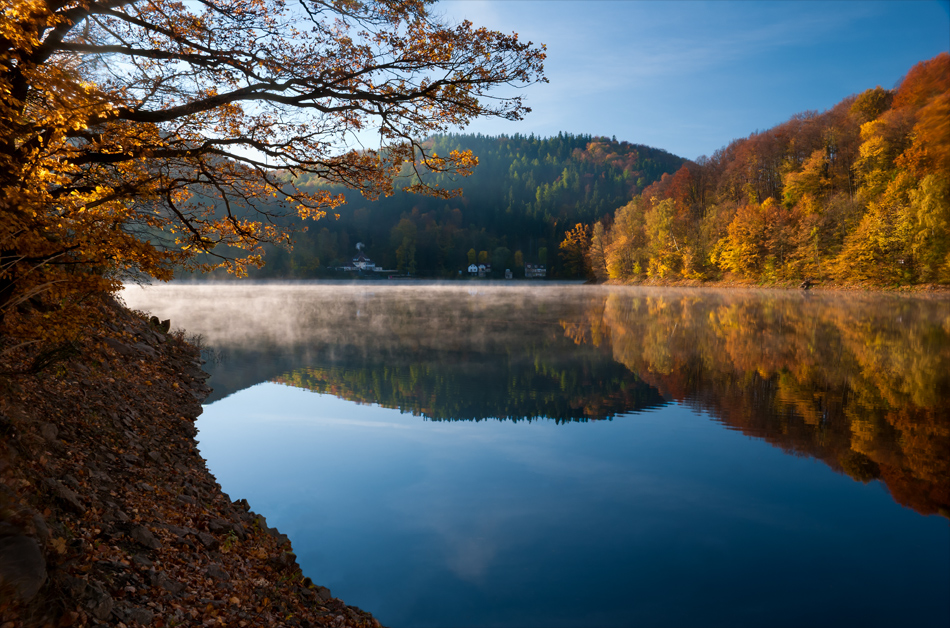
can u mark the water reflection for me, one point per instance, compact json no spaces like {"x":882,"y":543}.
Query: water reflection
{"x":860,"y":382}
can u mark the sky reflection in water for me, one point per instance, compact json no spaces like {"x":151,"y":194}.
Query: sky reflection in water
{"x":658,"y":516}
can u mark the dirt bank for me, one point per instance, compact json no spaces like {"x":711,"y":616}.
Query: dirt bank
{"x":108,"y":514}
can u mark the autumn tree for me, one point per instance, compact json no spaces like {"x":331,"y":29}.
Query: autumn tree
{"x":597,"y":253}
{"x":575,"y":249}
{"x":138,"y":135}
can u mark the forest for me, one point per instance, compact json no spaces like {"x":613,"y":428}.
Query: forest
{"x":513,"y":209}
{"x":857,"y":194}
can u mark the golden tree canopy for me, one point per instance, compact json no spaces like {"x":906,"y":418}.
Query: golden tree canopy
{"x":136,"y":134}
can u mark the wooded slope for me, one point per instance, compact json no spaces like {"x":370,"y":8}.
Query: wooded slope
{"x":859,"y":194}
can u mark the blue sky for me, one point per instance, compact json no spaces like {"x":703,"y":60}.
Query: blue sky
{"x":690,"y":77}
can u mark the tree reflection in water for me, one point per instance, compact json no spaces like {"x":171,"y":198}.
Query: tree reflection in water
{"x":858,"y":381}
{"x":861,"y":383}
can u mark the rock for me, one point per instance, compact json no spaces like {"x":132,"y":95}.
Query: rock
{"x":42,"y":530}
{"x":143,"y":536}
{"x":284,"y":561}
{"x":141,"y":616}
{"x":49,"y":431}
{"x":208,"y":541}
{"x":99,"y":603}
{"x":119,"y":347}
{"x":67,"y":497}
{"x":141,"y":560}
{"x":159,"y":579}
{"x":323,"y":593}
{"x":179,"y":531}
{"x":74,"y":586}
{"x":219,"y":525}
{"x":147,"y":350}
{"x":114,"y":514}
{"x":216,"y":572}
{"x":187,"y":499}
{"x":22,"y":567}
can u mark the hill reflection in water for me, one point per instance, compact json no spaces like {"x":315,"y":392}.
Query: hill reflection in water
{"x":860,"y":382}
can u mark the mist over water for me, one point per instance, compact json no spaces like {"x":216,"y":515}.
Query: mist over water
{"x":473,"y":454}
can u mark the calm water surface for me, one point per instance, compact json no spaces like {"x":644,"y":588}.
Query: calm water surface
{"x":491,"y":455}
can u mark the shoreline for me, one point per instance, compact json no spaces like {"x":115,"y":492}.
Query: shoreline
{"x":108,"y":513}
{"x":821,"y":286}
{"x":915,"y":289}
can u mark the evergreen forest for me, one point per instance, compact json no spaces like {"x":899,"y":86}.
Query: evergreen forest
{"x":513,"y":210}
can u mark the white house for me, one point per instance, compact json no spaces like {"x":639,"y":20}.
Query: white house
{"x":473,"y":269}
{"x":361,"y":262}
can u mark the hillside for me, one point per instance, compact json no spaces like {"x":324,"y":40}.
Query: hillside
{"x":858,"y":194}
{"x":514,"y":209}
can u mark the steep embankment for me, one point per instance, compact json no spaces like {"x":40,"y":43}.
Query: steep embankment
{"x":108,"y":514}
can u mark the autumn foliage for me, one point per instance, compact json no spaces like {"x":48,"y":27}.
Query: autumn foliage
{"x":137,"y":136}
{"x":832,"y":378}
{"x":857,"y":194}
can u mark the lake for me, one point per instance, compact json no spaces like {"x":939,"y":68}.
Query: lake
{"x":479,"y":454}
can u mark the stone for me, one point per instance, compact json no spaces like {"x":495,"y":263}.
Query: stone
{"x":159,"y":579}
{"x":216,"y":572}
{"x":67,"y":497}
{"x":286,"y":560}
{"x":208,"y":541}
{"x":42,"y":530}
{"x":143,"y":536}
{"x":218,"y":525}
{"x":49,"y":431}
{"x":141,"y":560}
{"x":22,"y":567}
{"x":178,"y":531}
{"x":99,"y":603}
{"x":140,"y":615}
{"x":119,"y":347}
{"x":115,"y":514}
{"x":323,"y":593}
{"x":147,"y":350}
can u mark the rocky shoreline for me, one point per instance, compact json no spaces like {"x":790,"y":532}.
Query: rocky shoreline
{"x":108,"y":514}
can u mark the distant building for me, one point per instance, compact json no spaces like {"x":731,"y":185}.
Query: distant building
{"x":535,"y":271}
{"x":508,"y":274}
{"x":472,"y":269}
{"x":361,"y":263}
{"x":484,"y":269}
